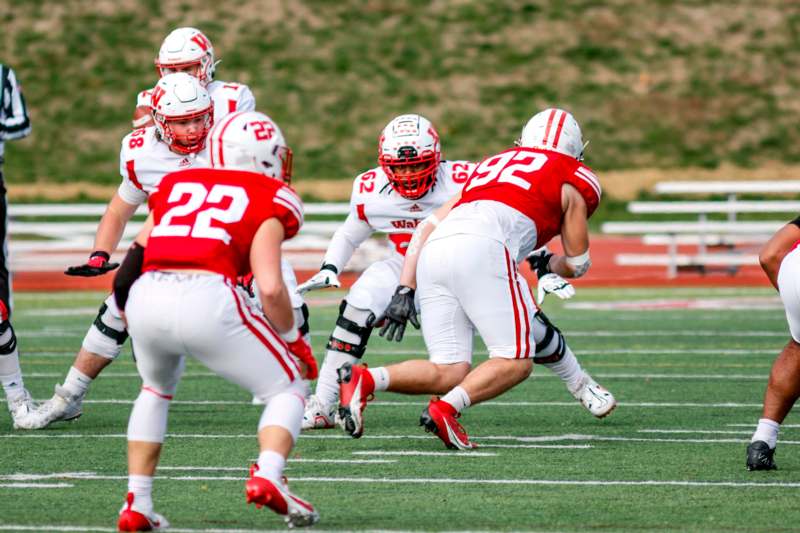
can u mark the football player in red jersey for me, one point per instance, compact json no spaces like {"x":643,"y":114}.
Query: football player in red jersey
{"x":780,"y":260}
{"x":177,"y":290}
{"x":514,"y":202}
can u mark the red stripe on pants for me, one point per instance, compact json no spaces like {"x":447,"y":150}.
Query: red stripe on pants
{"x":261,"y":337}
{"x":513,"y":302}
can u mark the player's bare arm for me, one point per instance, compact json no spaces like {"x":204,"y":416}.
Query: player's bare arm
{"x":777,"y":247}
{"x":265,"y":262}
{"x":574,"y":236}
{"x":109,"y":232}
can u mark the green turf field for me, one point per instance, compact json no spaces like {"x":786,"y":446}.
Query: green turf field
{"x":671,"y":457}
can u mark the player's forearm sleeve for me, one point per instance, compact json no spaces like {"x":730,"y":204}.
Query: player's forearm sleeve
{"x":129,"y":272}
{"x":345,"y":240}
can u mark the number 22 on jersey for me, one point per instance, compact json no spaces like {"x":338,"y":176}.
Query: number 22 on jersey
{"x":199,"y":197}
{"x":509,"y":167}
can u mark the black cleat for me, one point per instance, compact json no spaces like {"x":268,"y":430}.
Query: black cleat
{"x":760,"y":457}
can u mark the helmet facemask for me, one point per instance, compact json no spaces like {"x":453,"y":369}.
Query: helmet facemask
{"x":184,"y":143}
{"x":284,"y":154}
{"x":410,"y":174}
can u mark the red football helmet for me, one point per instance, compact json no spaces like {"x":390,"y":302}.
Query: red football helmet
{"x":409,"y":153}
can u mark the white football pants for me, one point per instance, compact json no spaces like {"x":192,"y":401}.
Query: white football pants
{"x":171,"y":316}
{"x":470,"y":282}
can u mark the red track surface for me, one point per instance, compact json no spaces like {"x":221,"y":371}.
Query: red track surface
{"x":604,"y":273}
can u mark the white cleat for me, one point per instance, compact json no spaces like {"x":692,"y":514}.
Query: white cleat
{"x":21,"y":408}
{"x":595,"y":398}
{"x":318,"y":415}
{"x":62,"y":406}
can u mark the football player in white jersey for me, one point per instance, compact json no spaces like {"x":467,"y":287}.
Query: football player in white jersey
{"x":409,"y":183}
{"x":182,"y":110}
{"x":189,"y":50}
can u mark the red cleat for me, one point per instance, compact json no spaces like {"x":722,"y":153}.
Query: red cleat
{"x":440,"y":418}
{"x":275,"y":495}
{"x":356,"y":388}
{"x":132,"y":520}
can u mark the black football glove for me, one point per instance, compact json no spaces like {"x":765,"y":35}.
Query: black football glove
{"x":540,"y":261}
{"x":97,"y":265}
{"x":400,"y":311}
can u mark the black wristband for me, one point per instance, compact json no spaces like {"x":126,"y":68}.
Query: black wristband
{"x":796,"y":222}
{"x":100,"y":253}
{"x":129,"y":272}
{"x":328,"y":266}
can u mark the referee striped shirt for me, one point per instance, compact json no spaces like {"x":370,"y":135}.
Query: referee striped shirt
{"x":14,"y":121}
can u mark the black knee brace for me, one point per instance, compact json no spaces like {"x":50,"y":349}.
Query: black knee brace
{"x":8,"y":347}
{"x":119,"y":336}
{"x":304,"y":327}
{"x":543,"y":354}
{"x":363,"y":332}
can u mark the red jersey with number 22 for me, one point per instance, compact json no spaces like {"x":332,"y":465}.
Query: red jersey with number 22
{"x":205,"y":219}
{"x":530,"y":181}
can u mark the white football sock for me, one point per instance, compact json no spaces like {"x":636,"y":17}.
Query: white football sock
{"x":142,"y":489}
{"x":568,"y":369}
{"x":458,"y":398}
{"x":327,"y":385}
{"x":767,"y":431}
{"x":76,"y":382}
{"x":270,"y":465}
{"x":381,"y":377}
{"x":11,"y":376}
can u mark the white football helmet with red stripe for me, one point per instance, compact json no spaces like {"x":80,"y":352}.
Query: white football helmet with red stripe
{"x":409,"y":153}
{"x":553,"y":129}
{"x":187,"y":48}
{"x":176,"y":100}
{"x":250,"y":141}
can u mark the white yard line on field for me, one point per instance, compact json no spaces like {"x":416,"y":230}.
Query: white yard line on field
{"x":754,"y":424}
{"x":535,"y":375}
{"x":461,"y":481}
{"x":690,"y":431}
{"x":646,"y":405}
{"x":424,"y":454}
{"x":64,"y":311}
{"x":36,"y":485}
{"x":420,"y":352}
{"x":640,"y":333}
{"x":540,"y":440}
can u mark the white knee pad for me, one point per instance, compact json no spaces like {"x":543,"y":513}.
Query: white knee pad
{"x":148,"y":421}
{"x":107,"y":334}
{"x":285,"y":409}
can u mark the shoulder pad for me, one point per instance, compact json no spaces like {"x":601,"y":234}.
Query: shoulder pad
{"x":370,"y":183}
{"x":139,"y":142}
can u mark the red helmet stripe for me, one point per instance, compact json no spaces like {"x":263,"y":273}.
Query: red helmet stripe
{"x":549,"y":123}
{"x":558,"y":129}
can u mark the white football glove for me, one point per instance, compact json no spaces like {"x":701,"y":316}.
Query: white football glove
{"x":553,"y":284}
{"x":323,"y":279}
